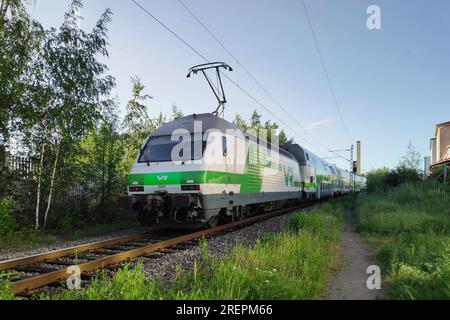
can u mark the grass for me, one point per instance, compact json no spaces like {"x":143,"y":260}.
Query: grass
{"x":32,"y":239}
{"x":5,"y":292}
{"x":294,"y":264}
{"x":26,"y":239}
{"x":99,"y":229}
{"x":409,"y":229}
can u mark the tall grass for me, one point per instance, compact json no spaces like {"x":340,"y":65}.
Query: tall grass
{"x":5,"y":289}
{"x":295,"y":264}
{"x":410,"y":229}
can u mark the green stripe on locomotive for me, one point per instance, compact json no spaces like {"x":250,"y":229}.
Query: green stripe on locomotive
{"x":251,"y":180}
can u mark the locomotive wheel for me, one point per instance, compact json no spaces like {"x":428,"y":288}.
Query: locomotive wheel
{"x":213,"y":222}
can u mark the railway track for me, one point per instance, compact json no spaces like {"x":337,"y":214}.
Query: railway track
{"x":37,"y":271}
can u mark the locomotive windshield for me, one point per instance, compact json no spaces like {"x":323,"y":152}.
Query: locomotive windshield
{"x":159,"y":149}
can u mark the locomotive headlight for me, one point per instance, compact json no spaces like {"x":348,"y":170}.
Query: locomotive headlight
{"x":136,"y":189}
{"x":192,"y":187}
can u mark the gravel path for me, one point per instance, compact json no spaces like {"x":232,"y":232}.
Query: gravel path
{"x":7,"y":254}
{"x":349,"y":283}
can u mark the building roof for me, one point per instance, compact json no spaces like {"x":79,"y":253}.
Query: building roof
{"x":443,"y":124}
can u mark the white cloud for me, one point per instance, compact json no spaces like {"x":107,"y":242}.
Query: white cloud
{"x":320,"y":123}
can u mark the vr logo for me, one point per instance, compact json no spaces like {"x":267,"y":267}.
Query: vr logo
{"x":163,"y":178}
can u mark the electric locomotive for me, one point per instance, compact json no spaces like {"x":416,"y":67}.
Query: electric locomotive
{"x":203,"y":170}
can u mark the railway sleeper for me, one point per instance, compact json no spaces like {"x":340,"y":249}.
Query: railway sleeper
{"x":91,"y":258}
{"x":139,"y":244}
{"x":34,"y":269}
{"x":154,"y":255}
{"x":106,"y":252}
{"x":122,"y":248}
{"x":182,"y":247}
{"x":64,"y":263}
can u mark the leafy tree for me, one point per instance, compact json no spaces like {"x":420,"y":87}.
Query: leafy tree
{"x":67,"y":91}
{"x":406,"y":172}
{"x":176,"y":113}
{"x":255,"y":120}
{"x":412,"y":159}
{"x":101,"y":152}
{"x":284,"y":139}
{"x":7,"y":222}
{"x":159,"y":120}
{"x":270,"y":128}
{"x":19,"y":39}
{"x":137,"y":124}
{"x":377,"y":179}
{"x":240,"y":123}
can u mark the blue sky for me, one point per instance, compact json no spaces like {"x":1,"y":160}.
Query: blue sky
{"x":392,"y":84}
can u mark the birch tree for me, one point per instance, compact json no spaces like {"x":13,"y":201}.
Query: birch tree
{"x":137,"y":124}
{"x":70,"y":89}
{"x":19,"y":38}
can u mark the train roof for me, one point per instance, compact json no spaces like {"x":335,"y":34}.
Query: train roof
{"x":207,"y":120}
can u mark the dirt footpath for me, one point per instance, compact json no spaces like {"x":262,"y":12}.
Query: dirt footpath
{"x":349,"y":283}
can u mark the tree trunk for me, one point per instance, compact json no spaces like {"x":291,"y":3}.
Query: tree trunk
{"x":102,"y":199}
{"x":110,"y":171}
{"x":38,"y":200}
{"x":52,"y":183}
{"x":3,"y":7}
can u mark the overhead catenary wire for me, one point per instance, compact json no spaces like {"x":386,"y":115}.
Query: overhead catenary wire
{"x":225,"y":75}
{"x":262,"y":87}
{"x":324,"y":66}
{"x":169,"y":30}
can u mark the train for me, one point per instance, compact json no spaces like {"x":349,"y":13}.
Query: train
{"x":202,"y":170}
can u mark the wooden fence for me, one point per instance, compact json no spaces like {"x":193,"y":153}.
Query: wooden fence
{"x":21,"y":167}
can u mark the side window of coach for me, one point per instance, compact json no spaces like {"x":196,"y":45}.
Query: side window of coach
{"x":224,"y":146}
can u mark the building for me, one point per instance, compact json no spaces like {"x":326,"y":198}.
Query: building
{"x":440,"y":145}
{"x":433,"y":151}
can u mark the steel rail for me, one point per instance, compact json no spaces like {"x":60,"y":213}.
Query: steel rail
{"x":42,"y":257}
{"x":41,"y":280}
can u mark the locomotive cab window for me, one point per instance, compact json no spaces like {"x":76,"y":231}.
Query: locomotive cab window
{"x":224,"y":146}
{"x":159,"y":149}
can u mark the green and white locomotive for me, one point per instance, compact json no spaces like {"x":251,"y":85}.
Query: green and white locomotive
{"x":202,"y":169}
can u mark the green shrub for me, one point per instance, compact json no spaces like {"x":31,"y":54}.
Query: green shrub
{"x":409,"y":226}
{"x":126,"y":284}
{"x":384,"y":179}
{"x":7,"y":222}
{"x":411,"y":282}
{"x":5,"y":288}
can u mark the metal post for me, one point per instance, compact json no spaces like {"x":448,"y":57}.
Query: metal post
{"x":358,"y":157}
